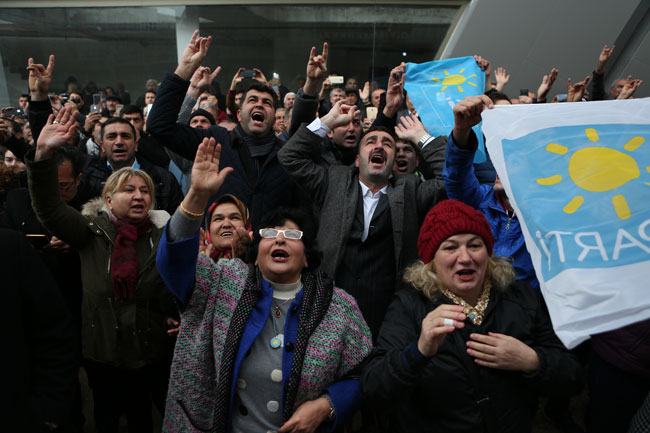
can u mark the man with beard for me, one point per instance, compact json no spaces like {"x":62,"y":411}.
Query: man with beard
{"x":250,"y":148}
{"x":369,"y":218}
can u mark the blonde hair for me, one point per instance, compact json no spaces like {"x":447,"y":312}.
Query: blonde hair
{"x":116,"y":181}
{"x":423,"y":277}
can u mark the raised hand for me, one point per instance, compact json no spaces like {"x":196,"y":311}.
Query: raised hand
{"x":259,"y":76}
{"x":193,"y":55}
{"x":502,"y":78}
{"x":547,"y":83}
{"x":240,"y":240}
{"x":576,"y":91}
{"x":364,"y":93}
{"x":56,"y":132}
{"x":436,"y":325}
{"x":410,"y":129}
{"x":206,"y":176}
{"x":40,"y":78}
{"x":629,"y":88}
{"x":467,"y":113}
{"x":316,"y":69}
{"x":604,"y":56}
{"x":340,"y":114}
{"x":486,"y":67}
{"x":201,"y":80}
{"x":395,"y":90}
{"x":503,"y":352}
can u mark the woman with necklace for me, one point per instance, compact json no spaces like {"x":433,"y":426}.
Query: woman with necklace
{"x":265,"y":346}
{"x":469,"y":348}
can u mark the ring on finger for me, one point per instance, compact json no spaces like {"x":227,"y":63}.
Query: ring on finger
{"x":448,"y":322}
{"x":55,"y":122}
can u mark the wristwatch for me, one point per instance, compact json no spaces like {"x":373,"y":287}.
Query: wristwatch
{"x":332,"y":415}
{"x":424,"y":139}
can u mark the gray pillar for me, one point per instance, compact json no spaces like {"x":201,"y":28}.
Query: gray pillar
{"x":187,"y":20}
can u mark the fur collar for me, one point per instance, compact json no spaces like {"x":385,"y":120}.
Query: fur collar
{"x":97,"y":205}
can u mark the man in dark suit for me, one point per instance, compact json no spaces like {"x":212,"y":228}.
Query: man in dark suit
{"x":369,"y":219}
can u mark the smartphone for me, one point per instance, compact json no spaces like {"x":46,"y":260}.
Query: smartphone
{"x":118,"y":108}
{"x":97,"y":104}
{"x":371,"y":112}
{"x":248,"y":73}
{"x":336,"y":79}
{"x":38,"y":240}
{"x":523,"y":92}
{"x":276,"y":75}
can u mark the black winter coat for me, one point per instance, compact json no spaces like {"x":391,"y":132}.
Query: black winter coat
{"x":261,"y":190}
{"x":440,"y":394}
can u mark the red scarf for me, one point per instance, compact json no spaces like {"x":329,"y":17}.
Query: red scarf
{"x":124,"y":259}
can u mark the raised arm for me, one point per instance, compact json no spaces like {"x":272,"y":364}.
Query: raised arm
{"x":62,"y":220}
{"x":162,"y":120}
{"x":460,"y":180}
{"x":545,"y":85}
{"x":306,"y":105}
{"x":178,"y":249}
{"x":597,"y":87}
{"x":40,"y":78}
{"x":296,"y":155}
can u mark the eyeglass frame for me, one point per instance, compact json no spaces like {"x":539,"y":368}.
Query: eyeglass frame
{"x":283,"y":231}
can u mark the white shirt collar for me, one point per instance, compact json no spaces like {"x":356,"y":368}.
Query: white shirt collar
{"x":365,"y":191}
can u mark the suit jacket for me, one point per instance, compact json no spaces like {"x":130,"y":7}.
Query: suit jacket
{"x":336,"y":190}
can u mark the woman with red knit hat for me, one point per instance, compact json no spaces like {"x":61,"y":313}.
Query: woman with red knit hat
{"x":468,"y":348}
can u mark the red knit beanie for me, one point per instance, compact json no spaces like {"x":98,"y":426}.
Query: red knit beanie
{"x":448,"y":218}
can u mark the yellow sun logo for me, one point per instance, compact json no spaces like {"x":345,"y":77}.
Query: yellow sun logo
{"x":598,"y":169}
{"x":454,"y":80}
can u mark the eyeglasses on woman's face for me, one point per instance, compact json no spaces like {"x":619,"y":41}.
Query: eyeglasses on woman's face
{"x":271,"y":233}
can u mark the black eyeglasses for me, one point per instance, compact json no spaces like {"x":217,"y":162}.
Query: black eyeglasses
{"x":292,"y":234}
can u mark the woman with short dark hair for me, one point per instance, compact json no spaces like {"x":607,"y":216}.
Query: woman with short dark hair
{"x":267,"y":346}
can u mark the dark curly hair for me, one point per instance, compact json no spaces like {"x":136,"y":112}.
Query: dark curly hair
{"x":306,"y":223}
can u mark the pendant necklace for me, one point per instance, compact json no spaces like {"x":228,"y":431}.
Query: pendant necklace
{"x":278,"y":340}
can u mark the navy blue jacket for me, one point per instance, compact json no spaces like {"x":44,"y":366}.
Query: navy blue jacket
{"x":461,"y":184}
{"x":273,"y":187}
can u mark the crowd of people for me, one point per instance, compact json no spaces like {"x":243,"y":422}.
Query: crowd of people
{"x":280,"y":261}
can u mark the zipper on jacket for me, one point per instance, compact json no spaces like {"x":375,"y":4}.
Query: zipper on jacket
{"x":508,"y":225}
{"x":110,"y":303}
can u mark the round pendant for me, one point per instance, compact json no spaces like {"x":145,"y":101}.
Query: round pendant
{"x":276,"y":342}
{"x":472,"y":315}
{"x":278,"y":313}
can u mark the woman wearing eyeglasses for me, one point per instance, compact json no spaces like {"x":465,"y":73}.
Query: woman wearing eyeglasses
{"x":265,"y":346}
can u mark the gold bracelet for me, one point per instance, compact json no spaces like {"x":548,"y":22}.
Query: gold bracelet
{"x":191,"y":214}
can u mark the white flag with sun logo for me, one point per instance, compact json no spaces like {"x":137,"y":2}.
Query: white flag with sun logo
{"x":578,"y":176}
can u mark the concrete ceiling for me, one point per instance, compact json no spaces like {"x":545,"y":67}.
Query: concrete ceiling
{"x":528,"y":38}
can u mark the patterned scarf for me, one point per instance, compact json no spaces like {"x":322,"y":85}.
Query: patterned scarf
{"x":124,"y":259}
{"x":257,"y":146}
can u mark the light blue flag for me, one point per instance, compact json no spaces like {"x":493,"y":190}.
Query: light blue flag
{"x":578,"y":177}
{"x":435,"y":87}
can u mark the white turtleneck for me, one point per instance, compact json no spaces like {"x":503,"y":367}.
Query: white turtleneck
{"x":286,"y":291}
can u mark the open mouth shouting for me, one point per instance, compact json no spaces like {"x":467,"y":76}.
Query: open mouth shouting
{"x":279,"y":255}
{"x":258,"y":118}
{"x":401,"y":165}
{"x":377,"y":158}
{"x":466,"y":274}
{"x":351,"y":139}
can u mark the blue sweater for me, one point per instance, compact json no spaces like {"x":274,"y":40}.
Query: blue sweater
{"x":461,"y":184}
